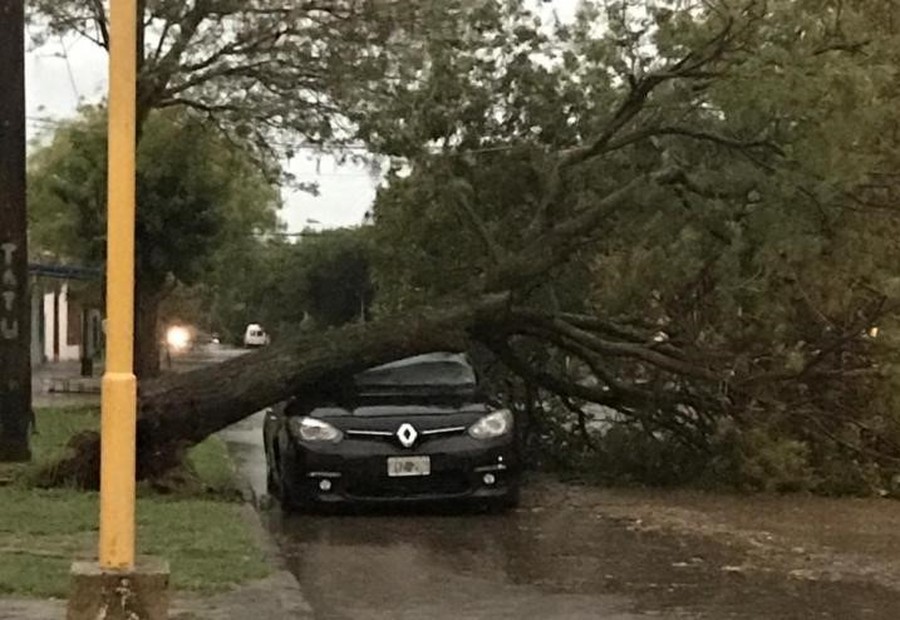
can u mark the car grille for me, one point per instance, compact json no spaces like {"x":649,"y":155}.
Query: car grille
{"x":391,"y":436}
{"x":439,"y":483}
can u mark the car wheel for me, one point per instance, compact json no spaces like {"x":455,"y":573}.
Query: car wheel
{"x":271,"y":481}
{"x":286,"y":494}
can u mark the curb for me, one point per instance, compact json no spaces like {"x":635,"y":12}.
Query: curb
{"x":277,"y":596}
{"x":72,"y":386}
{"x":291,"y":601}
{"x":65,"y":385}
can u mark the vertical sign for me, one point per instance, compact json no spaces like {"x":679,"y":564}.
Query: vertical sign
{"x":15,"y":311}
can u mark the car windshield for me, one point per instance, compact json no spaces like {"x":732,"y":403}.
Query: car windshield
{"x":436,"y":377}
{"x":444,"y":370}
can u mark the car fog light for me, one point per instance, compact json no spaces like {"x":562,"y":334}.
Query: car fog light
{"x":489,"y":479}
{"x":325,"y":485}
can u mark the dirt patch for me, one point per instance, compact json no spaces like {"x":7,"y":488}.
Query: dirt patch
{"x":13,"y":609}
{"x":277,"y":596}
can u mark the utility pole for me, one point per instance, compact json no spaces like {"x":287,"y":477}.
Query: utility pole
{"x":118,"y":586}
{"x":119,"y":398}
{"x":15,"y":303}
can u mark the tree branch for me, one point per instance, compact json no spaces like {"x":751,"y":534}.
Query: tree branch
{"x":102,"y":25}
{"x":690,"y":66}
{"x":462,"y":199}
{"x":556,"y":245}
{"x":156,"y":77}
{"x":732,"y":143}
{"x":567,"y":390}
{"x":530,"y":318}
{"x":851,"y":48}
{"x":553,"y":384}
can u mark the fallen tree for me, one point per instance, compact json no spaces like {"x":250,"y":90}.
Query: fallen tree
{"x":649,"y":247}
{"x":179,"y":410}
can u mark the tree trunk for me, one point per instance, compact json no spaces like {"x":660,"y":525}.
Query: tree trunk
{"x":146,"y":331}
{"x":179,"y":410}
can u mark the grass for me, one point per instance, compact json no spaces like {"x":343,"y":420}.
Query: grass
{"x":203,"y":535}
{"x":213,"y":467}
{"x":56,"y":426}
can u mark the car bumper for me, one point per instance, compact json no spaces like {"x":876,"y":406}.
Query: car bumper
{"x":462,"y":468}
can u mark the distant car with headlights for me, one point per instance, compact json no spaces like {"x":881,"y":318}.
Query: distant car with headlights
{"x":414,"y":430}
{"x":179,"y":339}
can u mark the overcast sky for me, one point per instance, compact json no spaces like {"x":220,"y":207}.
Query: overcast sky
{"x":62,"y":75}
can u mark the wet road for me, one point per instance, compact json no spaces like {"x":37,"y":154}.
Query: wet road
{"x":557,"y":557}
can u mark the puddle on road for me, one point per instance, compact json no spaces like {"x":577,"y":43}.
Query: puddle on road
{"x":434,"y":567}
{"x":544,"y":561}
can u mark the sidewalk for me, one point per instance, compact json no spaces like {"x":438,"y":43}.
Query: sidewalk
{"x":61,"y":383}
{"x":65,"y":378}
{"x":275,"y":597}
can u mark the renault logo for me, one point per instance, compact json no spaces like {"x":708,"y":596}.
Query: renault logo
{"x":407,"y":435}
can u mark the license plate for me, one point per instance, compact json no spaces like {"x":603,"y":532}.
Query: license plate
{"x":398,"y":466}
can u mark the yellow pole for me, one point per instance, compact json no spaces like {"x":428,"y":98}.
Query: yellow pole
{"x":119,"y":400}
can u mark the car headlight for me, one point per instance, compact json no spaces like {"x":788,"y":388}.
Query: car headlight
{"x":312,"y":429}
{"x":178,"y":338}
{"x":492,"y":425}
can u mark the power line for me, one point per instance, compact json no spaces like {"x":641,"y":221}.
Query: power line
{"x":65,"y":55}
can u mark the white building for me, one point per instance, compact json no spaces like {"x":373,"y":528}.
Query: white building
{"x":66,"y":319}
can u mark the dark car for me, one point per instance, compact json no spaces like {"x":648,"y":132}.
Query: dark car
{"x":414,"y":430}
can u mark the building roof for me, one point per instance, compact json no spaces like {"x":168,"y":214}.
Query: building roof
{"x":65,"y":272}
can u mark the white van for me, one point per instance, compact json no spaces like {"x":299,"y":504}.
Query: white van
{"x":255,"y":336}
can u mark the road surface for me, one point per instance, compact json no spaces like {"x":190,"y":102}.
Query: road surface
{"x":561,"y":556}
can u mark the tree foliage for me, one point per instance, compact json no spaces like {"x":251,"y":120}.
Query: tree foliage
{"x":319,"y":282}
{"x":262,"y":70}
{"x":199,"y":199}
{"x":735,"y":243}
